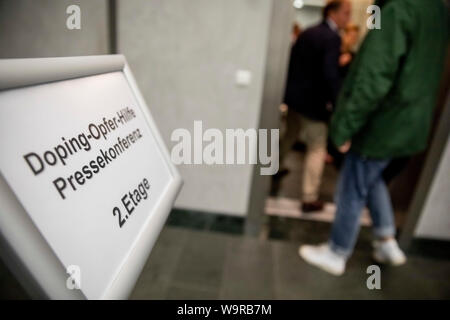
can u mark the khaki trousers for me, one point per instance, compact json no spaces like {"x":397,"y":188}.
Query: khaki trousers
{"x":314,"y":134}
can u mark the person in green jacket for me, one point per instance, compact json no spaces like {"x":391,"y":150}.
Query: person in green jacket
{"x":384,"y":111}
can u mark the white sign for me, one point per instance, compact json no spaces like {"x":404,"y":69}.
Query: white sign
{"x":82,"y":159}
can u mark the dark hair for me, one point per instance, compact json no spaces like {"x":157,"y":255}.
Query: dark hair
{"x":332,"y":5}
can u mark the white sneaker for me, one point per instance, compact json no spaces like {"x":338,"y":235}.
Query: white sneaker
{"x":388,"y":252}
{"x":323,"y":257}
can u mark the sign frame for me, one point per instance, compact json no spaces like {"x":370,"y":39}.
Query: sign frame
{"x":22,"y":246}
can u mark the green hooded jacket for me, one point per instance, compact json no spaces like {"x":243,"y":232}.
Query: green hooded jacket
{"x":386,"y":103}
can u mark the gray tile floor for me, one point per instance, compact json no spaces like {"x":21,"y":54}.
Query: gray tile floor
{"x":192,"y":264}
{"x":203,"y":264}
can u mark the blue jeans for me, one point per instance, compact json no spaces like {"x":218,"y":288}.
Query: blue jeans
{"x":360,"y":184}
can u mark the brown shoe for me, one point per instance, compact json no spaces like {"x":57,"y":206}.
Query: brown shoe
{"x":312,"y":206}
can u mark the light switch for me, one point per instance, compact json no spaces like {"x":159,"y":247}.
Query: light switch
{"x":243,"y":78}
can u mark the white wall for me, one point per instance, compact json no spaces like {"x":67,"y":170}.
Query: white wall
{"x":184,"y":55}
{"x":434,"y":222}
{"x":308,"y":16}
{"x":31,"y":29}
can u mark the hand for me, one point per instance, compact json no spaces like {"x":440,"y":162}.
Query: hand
{"x":284,"y":108}
{"x":345,"y":59}
{"x":345,"y":147}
